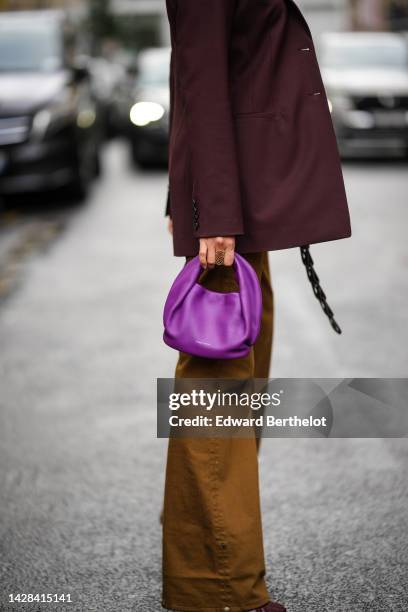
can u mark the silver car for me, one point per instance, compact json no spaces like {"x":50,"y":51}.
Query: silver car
{"x":366,"y":78}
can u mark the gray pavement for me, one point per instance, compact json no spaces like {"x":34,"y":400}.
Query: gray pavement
{"x":81,"y":472}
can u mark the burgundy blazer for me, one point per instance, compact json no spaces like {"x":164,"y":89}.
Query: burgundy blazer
{"x":252,"y":148}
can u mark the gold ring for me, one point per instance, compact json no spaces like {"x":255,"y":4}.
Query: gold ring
{"x":219,"y":258}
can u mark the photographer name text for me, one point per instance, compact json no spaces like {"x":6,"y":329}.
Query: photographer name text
{"x":259,"y":421}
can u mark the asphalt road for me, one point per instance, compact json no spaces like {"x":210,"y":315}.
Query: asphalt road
{"x":81,"y":472}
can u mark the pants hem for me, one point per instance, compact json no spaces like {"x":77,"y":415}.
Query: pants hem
{"x":248,"y":608}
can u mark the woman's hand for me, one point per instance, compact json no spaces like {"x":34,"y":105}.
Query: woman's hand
{"x":220,"y":250}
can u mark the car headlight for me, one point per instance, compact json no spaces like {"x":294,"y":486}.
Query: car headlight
{"x":339,"y":102}
{"x":86,"y":118}
{"x":59,"y":112}
{"x":143,"y":113}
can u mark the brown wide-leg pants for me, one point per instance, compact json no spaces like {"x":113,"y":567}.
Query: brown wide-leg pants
{"x":213,"y":557}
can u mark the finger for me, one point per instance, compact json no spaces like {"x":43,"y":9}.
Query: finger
{"x":220,"y":243}
{"x":211,"y":255}
{"x":229,"y":257}
{"x":203,"y":253}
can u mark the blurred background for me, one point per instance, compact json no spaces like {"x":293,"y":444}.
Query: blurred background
{"x":85,"y":266}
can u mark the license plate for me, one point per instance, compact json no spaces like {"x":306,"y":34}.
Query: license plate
{"x":391,"y":119}
{"x":3,"y":161}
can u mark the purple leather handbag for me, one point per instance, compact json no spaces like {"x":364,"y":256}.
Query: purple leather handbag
{"x":209,"y":324}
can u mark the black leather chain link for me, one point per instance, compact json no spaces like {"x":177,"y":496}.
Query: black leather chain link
{"x":317,"y":290}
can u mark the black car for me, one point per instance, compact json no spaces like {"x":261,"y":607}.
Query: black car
{"x":146,"y":113}
{"x":49,"y":132}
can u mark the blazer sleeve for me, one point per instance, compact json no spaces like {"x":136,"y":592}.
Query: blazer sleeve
{"x":202,"y":36}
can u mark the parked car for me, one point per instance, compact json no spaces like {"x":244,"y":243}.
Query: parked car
{"x":148,"y":111}
{"x":366,"y":77}
{"x":49,"y":131}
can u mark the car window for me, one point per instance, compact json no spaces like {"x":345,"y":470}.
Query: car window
{"x":29,"y":47}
